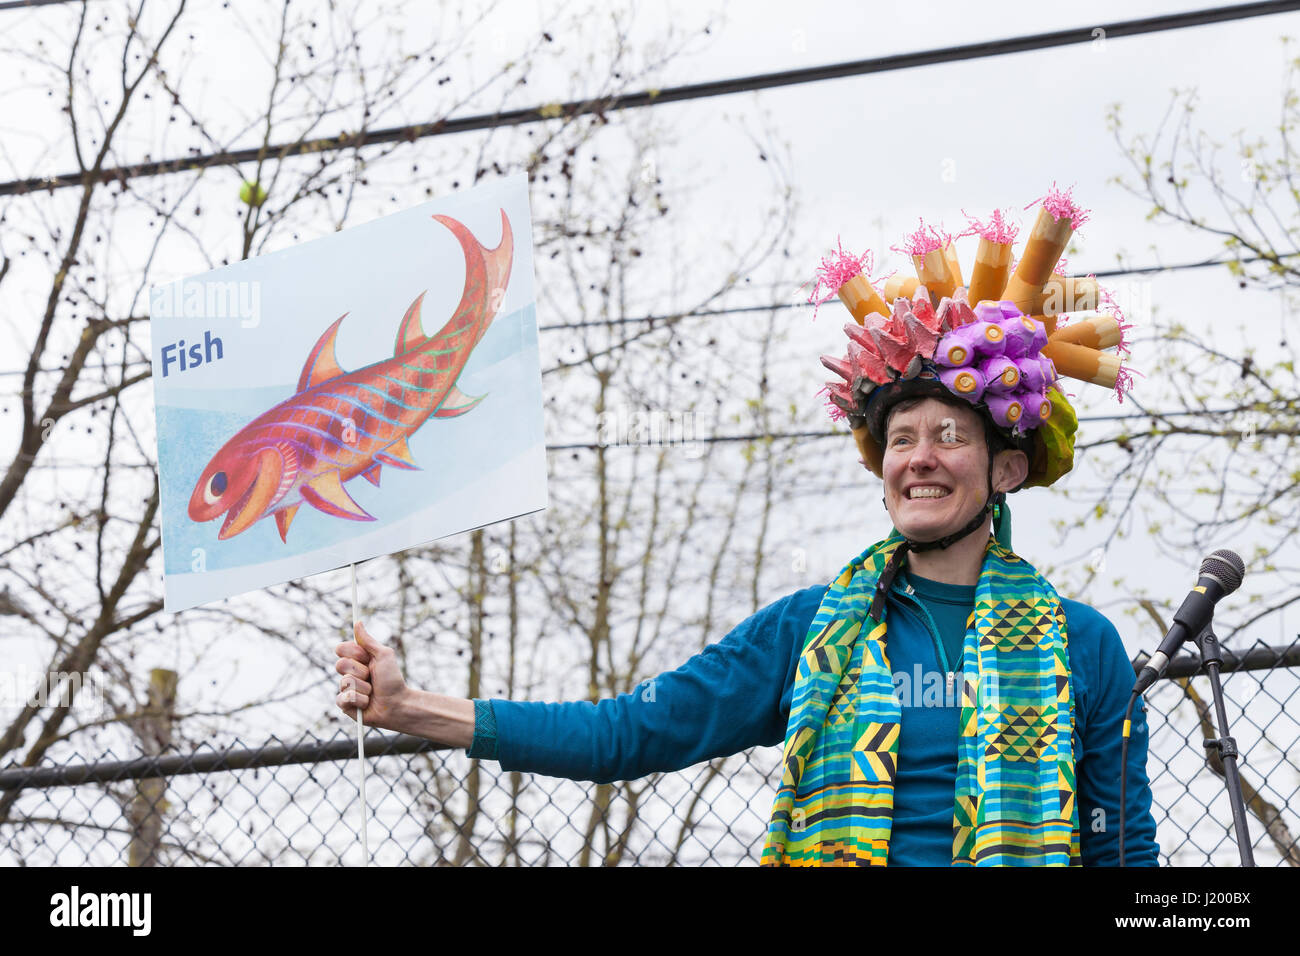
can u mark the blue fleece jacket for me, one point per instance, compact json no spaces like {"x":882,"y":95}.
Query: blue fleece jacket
{"x":736,"y":694}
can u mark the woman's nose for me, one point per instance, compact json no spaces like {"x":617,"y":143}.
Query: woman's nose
{"x":923,"y":455}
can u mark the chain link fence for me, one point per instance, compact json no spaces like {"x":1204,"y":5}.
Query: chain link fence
{"x":297,"y":803}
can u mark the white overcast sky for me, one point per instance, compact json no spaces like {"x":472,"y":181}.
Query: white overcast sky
{"x":874,"y":149}
{"x":867,"y":156}
{"x":871,"y":153}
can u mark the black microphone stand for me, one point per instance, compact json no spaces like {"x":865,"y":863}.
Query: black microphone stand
{"x":1226,"y":744}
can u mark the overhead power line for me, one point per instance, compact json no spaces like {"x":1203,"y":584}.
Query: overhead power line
{"x":772,"y":306}
{"x":717,"y":439}
{"x":1203,"y":264}
{"x":655,"y":97}
{"x":19,"y":4}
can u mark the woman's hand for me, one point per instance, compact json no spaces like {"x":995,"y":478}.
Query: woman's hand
{"x":372,"y":682}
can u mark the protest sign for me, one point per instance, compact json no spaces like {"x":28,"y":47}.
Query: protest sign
{"x":349,"y":397}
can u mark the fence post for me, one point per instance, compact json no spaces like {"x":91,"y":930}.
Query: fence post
{"x":154,"y":728}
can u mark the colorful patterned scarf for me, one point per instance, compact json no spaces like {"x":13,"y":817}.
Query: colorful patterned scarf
{"x":1015,"y":791}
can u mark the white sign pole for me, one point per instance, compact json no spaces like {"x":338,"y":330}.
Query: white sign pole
{"x":361,"y":741}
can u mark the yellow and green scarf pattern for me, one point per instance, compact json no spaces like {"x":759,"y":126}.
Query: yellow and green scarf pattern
{"x":1014,"y":802}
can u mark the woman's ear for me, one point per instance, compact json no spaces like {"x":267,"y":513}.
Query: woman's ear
{"x":1010,"y":469}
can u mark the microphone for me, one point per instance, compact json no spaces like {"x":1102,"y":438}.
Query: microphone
{"x":1221,"y":574}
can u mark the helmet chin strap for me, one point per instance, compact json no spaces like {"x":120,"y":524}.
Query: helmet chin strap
{"x":948,"y":540}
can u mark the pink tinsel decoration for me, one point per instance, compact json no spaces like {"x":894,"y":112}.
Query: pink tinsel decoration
{"x":1061,"y":204}
{"x":1124,"y":381}
{"x":837,"y":268}
{"x":925,"y":239}
{"x":1061,"y":265}
{"x":837,"y":413}
{"x":996,"y":229}
{"x":1112,"y":304}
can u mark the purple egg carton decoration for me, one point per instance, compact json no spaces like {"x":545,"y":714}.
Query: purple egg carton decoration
{"x":1022,"y":336}
{"x":1036,"y":372}
{"x":1001,"y":374}
{"x":965,"y":382}
{"x":1006,"y":410}
{"x":1035,"y":409}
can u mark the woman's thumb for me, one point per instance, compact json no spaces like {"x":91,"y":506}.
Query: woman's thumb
{"x":368,"y":643}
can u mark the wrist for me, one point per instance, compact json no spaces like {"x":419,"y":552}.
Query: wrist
{"x":447,"y":721}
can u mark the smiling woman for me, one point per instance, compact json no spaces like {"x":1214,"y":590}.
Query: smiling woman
{"x":952,"y":403}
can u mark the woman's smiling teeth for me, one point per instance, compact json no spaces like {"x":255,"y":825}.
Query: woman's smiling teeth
{"x":927,"y":491}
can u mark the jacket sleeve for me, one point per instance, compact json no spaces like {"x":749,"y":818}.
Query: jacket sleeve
{"x":1110,"y":683}
{"x":731,"y":696}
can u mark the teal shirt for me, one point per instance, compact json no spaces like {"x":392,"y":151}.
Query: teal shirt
{"x":922,"y":656}
{"x":736,"y":694}
{"x":949,"y":607}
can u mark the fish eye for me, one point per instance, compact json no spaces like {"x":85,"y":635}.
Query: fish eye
{"x":216,"y":488}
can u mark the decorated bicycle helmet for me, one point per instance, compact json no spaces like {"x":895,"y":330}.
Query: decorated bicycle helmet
{"x":1001,"y":343}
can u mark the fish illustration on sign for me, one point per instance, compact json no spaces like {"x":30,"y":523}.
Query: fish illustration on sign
{"x":342,"y":424}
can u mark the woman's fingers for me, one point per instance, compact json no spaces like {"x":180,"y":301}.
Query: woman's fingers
{"x":348,"y":667}
{"x":354,"y":651}
{"x":353,"y":683}
{"x":354,"y":695}
{"x":350,"y":702}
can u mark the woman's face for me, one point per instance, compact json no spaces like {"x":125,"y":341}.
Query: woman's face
{"x":935,"y":469}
